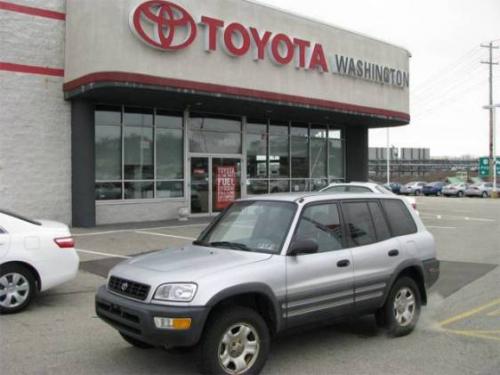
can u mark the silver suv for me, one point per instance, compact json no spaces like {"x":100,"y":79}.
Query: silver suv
{"x":270,"y":263}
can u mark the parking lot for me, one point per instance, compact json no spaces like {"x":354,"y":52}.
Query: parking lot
{"x":458,"y":333}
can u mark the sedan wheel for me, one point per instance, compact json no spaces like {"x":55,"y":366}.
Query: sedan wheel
{"x":16,"y":288}
{"x":484,"y":195}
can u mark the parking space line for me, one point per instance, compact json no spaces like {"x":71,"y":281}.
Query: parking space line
{"x":102,"y":254}
{"x":436,"y":227}
{"x":137,"y":229}
{"x":494,"y":313}
{"x":473,"y":334}
{"x":469,"y":313}
{"x":452,"y":217}
{"x":164,"y":235}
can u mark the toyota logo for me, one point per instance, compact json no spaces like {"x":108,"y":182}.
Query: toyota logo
{"x":124,"y":286}
{"x":163,"y":25}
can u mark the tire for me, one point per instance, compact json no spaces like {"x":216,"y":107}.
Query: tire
{"x":438,"y":194}
{"x":484,"y":195}
{"x":396,"y":323}
{"x":217,"y":341}
{"x":460,"y":194}
{"x":17,"y":288}
{"x":134,"y":342}
{"x":418,"y":192}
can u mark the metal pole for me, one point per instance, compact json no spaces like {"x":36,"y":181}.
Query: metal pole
{"x":388,"y":157}
{"x":494,"y":193}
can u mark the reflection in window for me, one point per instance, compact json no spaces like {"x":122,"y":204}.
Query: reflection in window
{"x":108,"y":156}
{"x":318,"y":153}
{"x":321,"y":224}
{"x":336,"y":155}
{"x":256,"y":144}
{"x":278,"y":151}
{"x":214,"y":135}
{"x":300,"y":150}
{"x":138,"y":164}
{"x":137,"y":129}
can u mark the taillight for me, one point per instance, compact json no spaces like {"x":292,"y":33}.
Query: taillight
{"x":65,"y":242}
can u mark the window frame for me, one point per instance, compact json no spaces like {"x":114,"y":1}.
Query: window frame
{"x":155,"y":180}
{"x":337,"y":202}
{"x":348,"y":230}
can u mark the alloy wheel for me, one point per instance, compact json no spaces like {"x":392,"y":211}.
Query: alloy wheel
{"x":239,"y":348}
{"x":404,"y":306}
{"x":14,"y":290}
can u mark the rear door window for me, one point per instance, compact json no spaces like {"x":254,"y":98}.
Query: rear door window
{"x":359,"y":223}
{"x":400,"y":220}
{"x":381,"y":226}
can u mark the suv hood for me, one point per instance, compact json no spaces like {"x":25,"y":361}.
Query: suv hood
{"x":186,"y":263}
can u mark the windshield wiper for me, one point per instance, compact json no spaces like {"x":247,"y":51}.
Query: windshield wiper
{"x":231,"y":245}
{"x":200,"y":243}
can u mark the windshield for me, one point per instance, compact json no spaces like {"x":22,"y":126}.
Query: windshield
{"x":259,"y":226}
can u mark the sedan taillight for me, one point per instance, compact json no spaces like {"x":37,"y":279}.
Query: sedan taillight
{"x":65,"y":242}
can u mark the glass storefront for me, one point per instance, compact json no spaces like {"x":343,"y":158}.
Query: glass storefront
{"x":139,"y":154}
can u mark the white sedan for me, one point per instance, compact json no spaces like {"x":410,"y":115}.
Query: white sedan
{"x":34,"y":256}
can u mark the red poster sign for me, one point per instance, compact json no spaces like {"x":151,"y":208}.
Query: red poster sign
{"x":225,"y":186}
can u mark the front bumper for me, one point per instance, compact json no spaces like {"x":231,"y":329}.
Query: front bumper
{"x":136,"y":319}
{"x":431,"y":272}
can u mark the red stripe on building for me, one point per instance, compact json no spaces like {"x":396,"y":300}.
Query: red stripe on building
{"x":31,"y":69}
{"x":230,"y":90}
{"x":32,"y":11}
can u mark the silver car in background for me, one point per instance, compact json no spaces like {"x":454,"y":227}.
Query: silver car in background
{"x":455,"y":190}
{"x":482,"y":190}
{"x":413,"y":188}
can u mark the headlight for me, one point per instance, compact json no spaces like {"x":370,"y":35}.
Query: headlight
{"x":176,"y":292}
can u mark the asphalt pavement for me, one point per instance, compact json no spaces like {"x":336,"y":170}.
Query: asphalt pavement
{"x":458,"y":333}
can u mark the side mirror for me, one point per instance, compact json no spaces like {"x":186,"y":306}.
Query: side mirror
{"x":299,"y":247}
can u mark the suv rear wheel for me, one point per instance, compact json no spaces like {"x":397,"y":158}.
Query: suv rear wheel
{"x":236,"y":341}
{"x":402,"y":308}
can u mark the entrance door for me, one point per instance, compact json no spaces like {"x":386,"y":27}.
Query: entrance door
{"x":215,"y":183}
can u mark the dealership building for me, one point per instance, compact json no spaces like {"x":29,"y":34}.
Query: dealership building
{"x":134,"y":110}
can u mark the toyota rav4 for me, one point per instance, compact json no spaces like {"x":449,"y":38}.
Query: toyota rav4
{"x":270,"y":263}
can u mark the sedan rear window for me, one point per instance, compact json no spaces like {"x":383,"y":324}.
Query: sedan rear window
{"x":399,"y":217}
{"x":20,"y":217}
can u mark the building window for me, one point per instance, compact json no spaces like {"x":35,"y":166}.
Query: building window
{"x":336,"y":170}
{"x":292,"y":157}
{"x":210,"y":135}
{"x":139,"y":153}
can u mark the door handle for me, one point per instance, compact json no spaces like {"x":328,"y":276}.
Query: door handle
{"x":393,"y":253}
{"x":343,"y":263}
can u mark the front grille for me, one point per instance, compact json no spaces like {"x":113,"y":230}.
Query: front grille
{"x":128,"y":288}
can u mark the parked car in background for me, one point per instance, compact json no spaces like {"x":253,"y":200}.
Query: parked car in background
{"x":270,"y":263}
{"x":413,"y":188}
{"x":395,"y":187}
{"x":35,"y":255}
{"x":433,"y":188}
{"x":363,"y":187}
{"x":454,"y":190}
{"x":482,"y":190}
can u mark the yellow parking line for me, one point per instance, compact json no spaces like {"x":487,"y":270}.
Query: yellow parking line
{"x":466,"y":314}
{"x":494,"y":313}
{"x":473,"y":334}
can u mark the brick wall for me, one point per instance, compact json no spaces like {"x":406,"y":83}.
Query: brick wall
{"x":35,"y":147}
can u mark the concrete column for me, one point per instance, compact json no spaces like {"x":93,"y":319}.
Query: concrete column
{"x":356,"y":144}
{"x":83,"y":164}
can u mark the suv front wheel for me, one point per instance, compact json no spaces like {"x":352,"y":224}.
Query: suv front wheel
{"x":402,"y":308}
{"x":236,"y":341}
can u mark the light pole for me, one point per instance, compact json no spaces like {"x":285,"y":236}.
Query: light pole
{"x":493,"y":164}
{"x":388,"y":159}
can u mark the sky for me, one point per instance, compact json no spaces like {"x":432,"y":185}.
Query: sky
{"x":448,"y":85}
